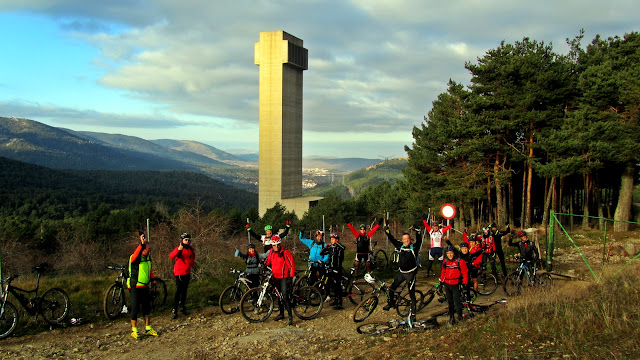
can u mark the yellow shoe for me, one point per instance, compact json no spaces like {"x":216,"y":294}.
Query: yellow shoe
{"x":150,"y":332}
{"x":134,"y":334}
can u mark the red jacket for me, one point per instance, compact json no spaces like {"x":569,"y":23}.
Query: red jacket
{"x":489,"y":244}
{"x":281,"y":263}
{"x":453,"y":271}
{"x":476,"y":251}
{"x":183,"y":260}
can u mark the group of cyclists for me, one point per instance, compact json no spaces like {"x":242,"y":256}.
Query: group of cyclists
{"x":459,"y":266}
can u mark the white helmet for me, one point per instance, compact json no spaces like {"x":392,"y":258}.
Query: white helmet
{"x":275,"y":240}
{"x":369,"y":278}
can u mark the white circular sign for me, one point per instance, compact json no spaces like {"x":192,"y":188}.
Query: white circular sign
{"x":448,"y":211}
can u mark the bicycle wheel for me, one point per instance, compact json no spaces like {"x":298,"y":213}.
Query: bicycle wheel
{"x":403,"y":304}
{"x":512,"y":284}
{"x":380,"y":260}
{"x":8,"y":320}
{"x":426,"y":300}
{"x":487,"y":284}
{"x":158,"y":293}
{"x":114,"y":301}
{"x":365,"y":308}
{"x":230,"y":299}
{"x":358,"y":290}
{"x":543,"y":281}
{"x":373,"y":328}
{"x":54,"y":306}
{"x":307,"y":302}
{"x":255,"y":309}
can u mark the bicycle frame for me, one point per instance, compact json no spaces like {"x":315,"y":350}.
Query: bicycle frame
{"x":29,"y":304}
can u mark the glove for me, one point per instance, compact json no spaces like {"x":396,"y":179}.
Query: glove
{"x":237,"y":253}
{"x":386,"y":229}
{"x":248,"y":226}
{"x":288,"y":223}
{"x":417,"y":229}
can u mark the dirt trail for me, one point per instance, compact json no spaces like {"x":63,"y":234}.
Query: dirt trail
{"x":208,"y":333}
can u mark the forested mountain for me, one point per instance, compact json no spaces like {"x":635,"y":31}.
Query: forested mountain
{"x":37,"y":192}
{"x":201,"y":149}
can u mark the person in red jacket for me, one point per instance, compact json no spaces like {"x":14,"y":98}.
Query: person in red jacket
{"x":475,"y":251}
{"x":454,"y":272}
{"x":363,"y":245}
{"x":184,"y":256}
{"x":284,"y":269}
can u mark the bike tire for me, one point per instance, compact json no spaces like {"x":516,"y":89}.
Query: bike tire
{"x":427,"y":298}
{"x":114,"y":301}
{"x":54,"y":306}
{"x":365,"y":308}
{"x":359,"y":290}
{"x":230,"y":299}
{"x":512,"y":284}
{"x":8,"y":320}
{"x":256,"y":313}
{"x":373,"y":328}
{"x":544,"y":281}
{"x":380,"y":260}
{"x":158,"y":293}
{"x":307,"y":302}
{"x":403,"y":304}
{"x":487,"y":284}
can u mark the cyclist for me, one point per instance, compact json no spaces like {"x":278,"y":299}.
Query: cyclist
{"x":454,"y":272}
{"x":489,"y":246}
{"x":435,"y":249}
{"x":497,"y":236}
{"x":468,"y":258}
{"x":408,"y":261}
{"x":140,"y":275}
{"x":252,"y":259}
{"x":268,"y":230}
{"x":316,"y":261}
{"x":284,"y":269}
{"x":184,"y":256}
{"x":335,"y":253}
{"x":528,"y":250}
{"x":475,"y":257}
{"x":363,"y":248}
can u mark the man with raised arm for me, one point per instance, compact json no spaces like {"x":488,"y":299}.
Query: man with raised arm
{"x":363,"y":245}
{"x":436,"y":235}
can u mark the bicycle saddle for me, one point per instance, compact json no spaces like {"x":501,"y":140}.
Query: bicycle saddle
{"x":42,"y":267}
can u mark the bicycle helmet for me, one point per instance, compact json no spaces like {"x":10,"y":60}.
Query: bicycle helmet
{"x":335,"y":236}
{"x":369,"y":278}
{"x":185,"y":236}
{"x":250,"y":246}
{"x":319,"y":232}
{"x":268,"y":227}
{"x":464,"y":244}
{"x":362,"y":226}
{"x":521,"y":233}
{"x":449,"y":248}
{"x":275,"y":240}
{"x":486,"y":230}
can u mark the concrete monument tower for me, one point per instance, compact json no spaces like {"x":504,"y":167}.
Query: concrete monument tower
{"x":282,"y":59}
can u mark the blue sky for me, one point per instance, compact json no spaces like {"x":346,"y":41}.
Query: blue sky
{"x":184,"y":69}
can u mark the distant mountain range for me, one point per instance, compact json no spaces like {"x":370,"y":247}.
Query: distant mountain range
{"x":33,"y":142}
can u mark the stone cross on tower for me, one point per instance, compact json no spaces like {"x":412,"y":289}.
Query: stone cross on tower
{"x":282,"y":59}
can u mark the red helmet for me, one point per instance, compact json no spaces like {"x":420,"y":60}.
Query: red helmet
{"x":521,"y":233}
{"x":275,"y":240}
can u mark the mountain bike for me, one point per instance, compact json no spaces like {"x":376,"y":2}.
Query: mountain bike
{"x":487,"y":282}
{"x":257,"y":304}
{"x":354,"y":289}
{"x":53,"y":305}
{"x":395,"y":326}
{"x":115,"y":301}
{"x":379,"y":258}
{"x":402,"y":303}
{"x":467,"y":298}
{"x":515,"y":281}
{"x":306,"y":277}
{"x":231,"y":295}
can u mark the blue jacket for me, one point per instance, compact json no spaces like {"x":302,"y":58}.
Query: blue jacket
{"x":314,"y":249}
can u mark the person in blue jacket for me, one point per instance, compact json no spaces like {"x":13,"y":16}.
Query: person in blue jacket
{"x":316,"y":261}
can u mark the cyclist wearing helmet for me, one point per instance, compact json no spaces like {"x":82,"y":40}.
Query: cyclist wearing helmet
{"x":454,"y":272}
{"x":183,"y":256}
{"x":335,"y":252}
{"x":363,"y":245}
{"x":489,"y":246}
{"x":528,"y":250}
{"x":315,"y":259}
{"x":284,"y":269}
{"x":268,"y":230}
{"x":252,"y":259}
{"x":436,"y":235}
{"x":408,"y":255}
{"x":497,"y":236}
{"x":475,"y":256}
{"x":468,"y":258}
{"x":140,"y":275}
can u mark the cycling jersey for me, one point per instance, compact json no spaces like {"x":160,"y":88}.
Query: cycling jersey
{"x":336,"y":255}
{"x":407,"y":255}
{"x":435,"y":236}
{"x":362,"y":240}
{"x":453,"y":271}
{"x":314,"y":249}
{"x":281,"y":263}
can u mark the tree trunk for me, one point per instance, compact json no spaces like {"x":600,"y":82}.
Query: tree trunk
{"x":524,"y":198}
{"x":472,"y":214}
{"x":527,"y":220}
{"x":489,"y":202}
{"x":625,"y":200}
{"x":500,"y":211}
{"x":586,"y":199}
{"x":547,"y":202}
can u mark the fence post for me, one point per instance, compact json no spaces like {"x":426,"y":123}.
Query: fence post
{"x":552,"y":219}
